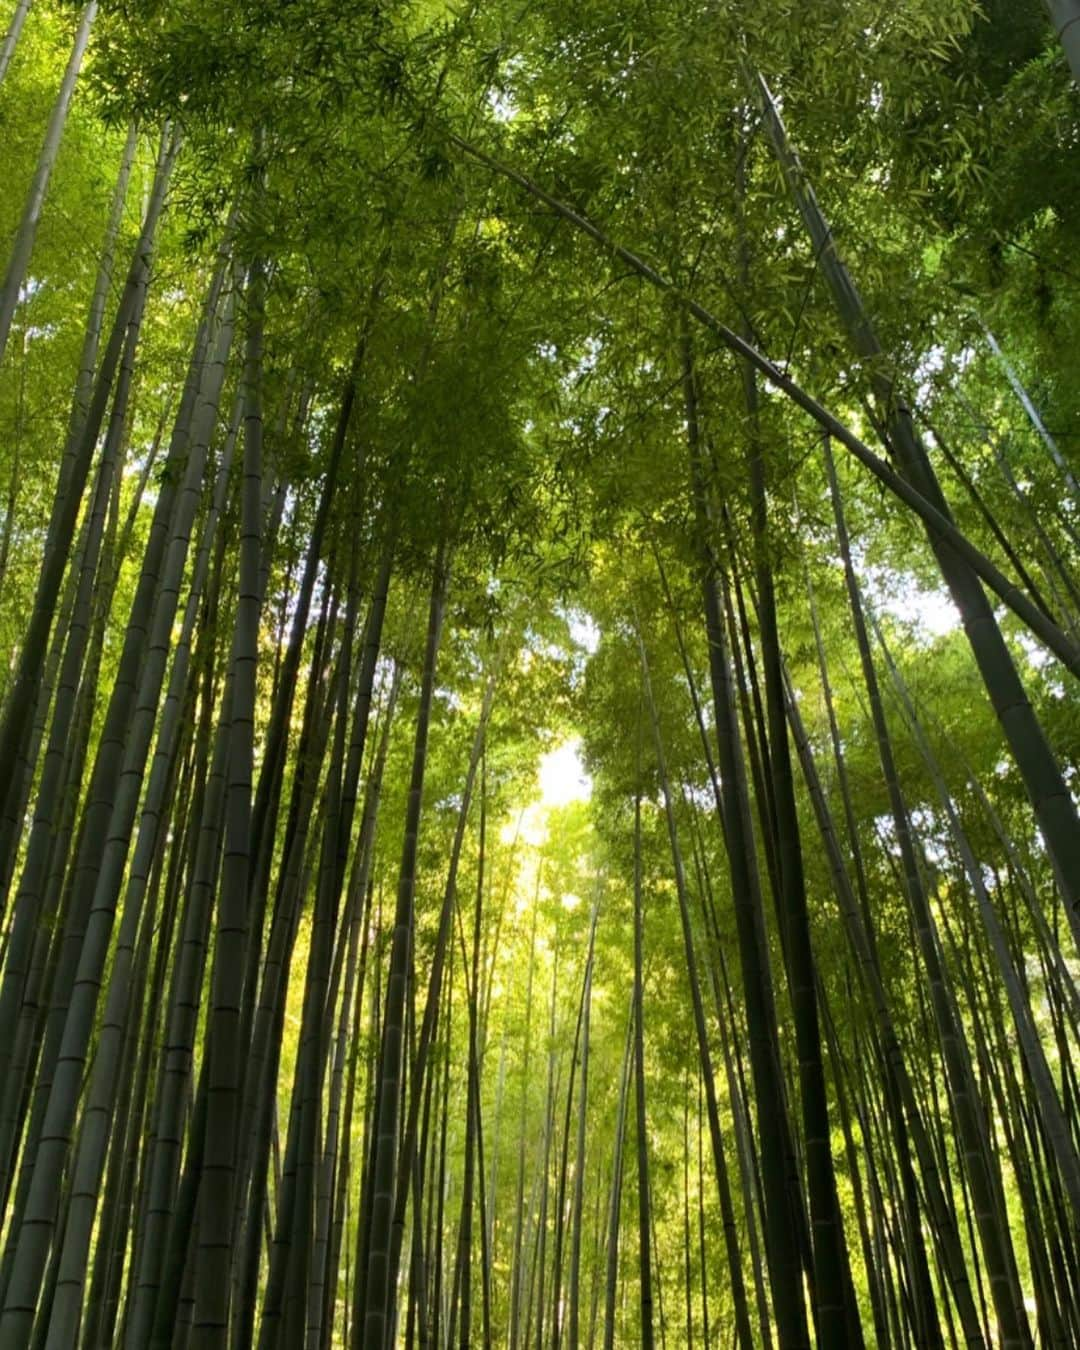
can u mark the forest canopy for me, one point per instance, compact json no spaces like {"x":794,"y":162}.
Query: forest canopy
{"x":540,"y":628}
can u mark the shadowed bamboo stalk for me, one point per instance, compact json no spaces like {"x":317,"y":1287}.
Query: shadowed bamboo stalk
{"x":1053,"y":1117}
{"x":1011,"y":374}
{"x":71,"y":480}
{"x":979,"y":1166}
{"x":645,"y":1267}
{"x":1065,"y":16}
{"x":937,"y":522}
{"x":378,"y":1314}
{"x":1051,"y":800}
{"x":743,"y":1333}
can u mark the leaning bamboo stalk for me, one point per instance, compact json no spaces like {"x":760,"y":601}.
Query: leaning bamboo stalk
{"x":557,"y":1300}
{"x":574,"y":1312}
{"x":296,"y":1196}
{"x":216,"y":1236}
{"x":979,"y":1165}
{"x":875,"y":1272}
{"x":103,"y":282}
{"x":854,"y":902}
{"x":1065,"y":16}
{"x":738,"y":1095}
{"x":538,"y":1259}
{"x":837,"y":1314}
{"x":516,"y":1261}
{"x":19,"y":261}
{"x":614,"y":1214}
{"x":470,"y":965}
{"x":340,"y":1119}
{"x":97,"y":872}
{"x":150,"y":1285}
{"x":991,"y":520}
{"x":1015,"y":382}
{"x":1053,"y":561}
{"x":938,"y":523}
{"x":322,"y":1283}
{"x":645,"y":1265}
{"x":11,"y":37}
{"x":101,"y":1300}
{"x":1050,"y":798}
{"x":288,"y":1295}
{"x":784,"y":1217}
{"x":104,"y":1296}
{"x":442,"y":944}
{"x":1053,"y":1117}
{"x":31,"y":899}
{"x":301,"y":837}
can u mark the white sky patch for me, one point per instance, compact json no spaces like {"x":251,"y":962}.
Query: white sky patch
{"x":930,"y":612}
{"x":562,"y":779}
{"x":1035,"y":652}
{"x":929,"y":368}
{"x":502,"y":105}
{"x":562,"y":776}
{"x":583,"y":630}
{"x":502,"y":102}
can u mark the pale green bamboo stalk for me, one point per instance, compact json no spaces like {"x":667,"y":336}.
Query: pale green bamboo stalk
{"x":1065,"y":16}
{"x":614,"y":1215}
{"x":1015,"y":382}
{"x":84,"y":381}
{"x":442,"y":941}
{"x":23,"y":246}
{"x":11,"y":37}
{"x":29,"y":909}
{"x":17,"y":718}
{"x":743,"y":1334}
{"x":264,"y":1044}
{"x":339,"y":1125}
{"x":645,"y":1263}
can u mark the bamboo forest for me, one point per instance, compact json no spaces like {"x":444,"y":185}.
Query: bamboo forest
{"x":539,"y":674}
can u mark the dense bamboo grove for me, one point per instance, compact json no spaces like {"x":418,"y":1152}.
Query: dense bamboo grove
{"x":540,"y":604}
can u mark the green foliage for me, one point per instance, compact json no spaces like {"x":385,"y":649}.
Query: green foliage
{"x":519,"y":407}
